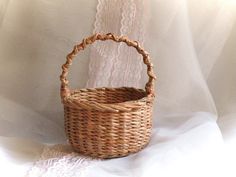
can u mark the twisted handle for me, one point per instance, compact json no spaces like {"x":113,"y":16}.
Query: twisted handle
{"x":65,"y":91}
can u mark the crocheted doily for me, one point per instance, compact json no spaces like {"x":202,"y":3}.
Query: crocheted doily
{"x":59,"y":161}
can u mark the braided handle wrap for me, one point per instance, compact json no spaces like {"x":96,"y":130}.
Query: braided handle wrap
{"x":65,"y":91}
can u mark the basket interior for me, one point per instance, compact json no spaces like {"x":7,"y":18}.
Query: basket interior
{"x":109,"y":95}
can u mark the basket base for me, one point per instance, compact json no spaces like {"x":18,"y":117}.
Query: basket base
{"x":108,"y":156}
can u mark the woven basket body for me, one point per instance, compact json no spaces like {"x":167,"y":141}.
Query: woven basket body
{"x":108,"y":122}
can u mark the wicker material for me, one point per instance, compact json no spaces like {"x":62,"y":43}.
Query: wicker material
{"x":108,"y":122}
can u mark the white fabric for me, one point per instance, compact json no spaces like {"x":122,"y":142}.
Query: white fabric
{"x":192,"y":45}
{"x":190,"y":146}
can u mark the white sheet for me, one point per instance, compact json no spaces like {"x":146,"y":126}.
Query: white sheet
{"x":191,"y":146}
{"x":192,"y":44}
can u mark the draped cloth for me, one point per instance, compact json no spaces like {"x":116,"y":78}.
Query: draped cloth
{"x":192,"y":46}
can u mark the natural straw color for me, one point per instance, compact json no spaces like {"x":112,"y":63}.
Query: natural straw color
{"x":108,"y":122}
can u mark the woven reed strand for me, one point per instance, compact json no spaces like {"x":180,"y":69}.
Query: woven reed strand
{"x":108,"y":122}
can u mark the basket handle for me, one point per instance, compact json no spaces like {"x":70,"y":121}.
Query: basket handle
{"x":65,"y":91}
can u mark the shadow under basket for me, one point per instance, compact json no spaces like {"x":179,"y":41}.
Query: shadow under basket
{"x":108,"y":122}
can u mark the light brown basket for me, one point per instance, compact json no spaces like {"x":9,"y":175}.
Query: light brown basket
{"x":108,"y":122}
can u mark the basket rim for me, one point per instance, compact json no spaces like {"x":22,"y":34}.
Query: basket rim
{"x":125,"y":106}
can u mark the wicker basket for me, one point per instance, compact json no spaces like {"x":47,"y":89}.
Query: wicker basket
{"x":108,"y":122}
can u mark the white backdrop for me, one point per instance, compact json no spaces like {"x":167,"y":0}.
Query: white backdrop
{"x":192,"y":45}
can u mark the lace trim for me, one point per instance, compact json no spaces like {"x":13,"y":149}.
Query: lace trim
{"x":102,"y":54}
{"x":114,"y":64}
{"x":59,"y":161}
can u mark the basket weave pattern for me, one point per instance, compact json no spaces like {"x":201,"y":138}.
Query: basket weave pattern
{"x":108,"y":122}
